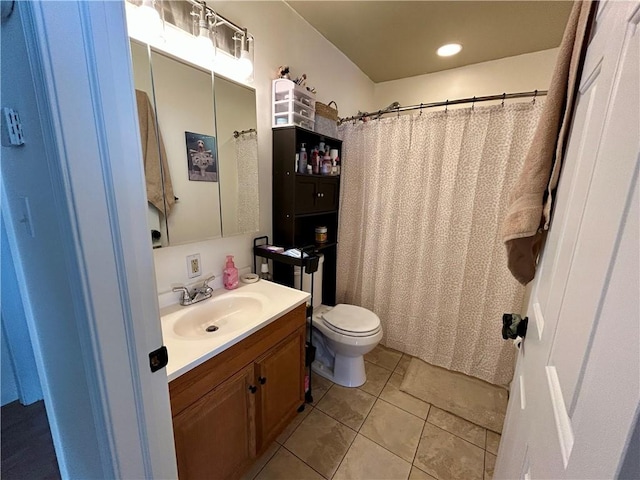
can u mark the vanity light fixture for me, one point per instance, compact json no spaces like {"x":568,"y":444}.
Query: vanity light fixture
{"x":449,"y":49}
{"x":150,"y":17}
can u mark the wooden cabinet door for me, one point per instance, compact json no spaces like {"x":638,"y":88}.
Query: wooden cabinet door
{"x":215,"y":437}
{"x":280,"y":377}
{"x":305,"y":194}
{"x":327,"y":194}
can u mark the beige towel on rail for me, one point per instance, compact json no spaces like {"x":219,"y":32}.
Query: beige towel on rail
{"x":530,"y":203}
{"x":152,"y":153}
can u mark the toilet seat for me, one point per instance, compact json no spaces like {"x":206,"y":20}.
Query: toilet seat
{"x":351,"y":320}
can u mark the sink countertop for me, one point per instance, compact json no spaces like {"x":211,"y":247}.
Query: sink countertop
{"x":187,"y":353}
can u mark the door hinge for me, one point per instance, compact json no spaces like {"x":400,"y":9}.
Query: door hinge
{"x":158,"y":359}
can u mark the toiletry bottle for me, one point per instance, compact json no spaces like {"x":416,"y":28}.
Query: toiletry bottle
{"x":230,"y":274}
{"x":302,"y":161}
{"x":315,"y":160}
{"x":264,"y":270}
{"x":326,"y":164}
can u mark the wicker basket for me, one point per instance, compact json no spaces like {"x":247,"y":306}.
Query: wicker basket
{"x":327,"y":119}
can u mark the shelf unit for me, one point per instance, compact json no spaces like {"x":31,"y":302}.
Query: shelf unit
{"x":292,"y":104}
{"x":303,"y":202}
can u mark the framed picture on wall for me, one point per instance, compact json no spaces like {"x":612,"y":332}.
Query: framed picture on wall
{"x":201,"y":157}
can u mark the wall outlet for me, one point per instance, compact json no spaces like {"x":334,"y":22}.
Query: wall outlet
{"x":194,"y":267}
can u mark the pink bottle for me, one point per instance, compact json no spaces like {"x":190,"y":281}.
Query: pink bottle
{"x":230,"y":274}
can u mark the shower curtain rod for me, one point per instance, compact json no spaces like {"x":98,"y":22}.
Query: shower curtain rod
{"x":236,"y":133}
{"x":446,"y":103}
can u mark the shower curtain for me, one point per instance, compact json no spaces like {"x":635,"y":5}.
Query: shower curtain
{"x":422,"y":201}
{"x":247,"y":161}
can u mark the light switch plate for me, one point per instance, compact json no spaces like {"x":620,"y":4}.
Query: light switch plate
{"x":194,"y":267}
{"x":12,"y":135}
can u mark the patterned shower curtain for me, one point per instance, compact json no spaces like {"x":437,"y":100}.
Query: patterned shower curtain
{"x":247,"y":160}
{"x":422,"y":201}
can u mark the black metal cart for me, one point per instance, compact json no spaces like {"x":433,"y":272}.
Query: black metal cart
{"x":307,"y":264}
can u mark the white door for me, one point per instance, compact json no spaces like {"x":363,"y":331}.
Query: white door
{"x":575,"y":394}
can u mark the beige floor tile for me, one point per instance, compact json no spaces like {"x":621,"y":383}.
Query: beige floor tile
{"x":489,"y":465}
{"x":443,"y":455}
{"x":321,"y":442}
{"x":376,"y":378}
{"x":366,"y":460}
{"x":285,"y":465}
{"x":403,"y":364}
{"x":493,"y":442}
{"x":347,"y":405}
{"x":392,"y":394}
{"x":297,"y":420}
{"x":470,"y":398}
{"x":384,"y":357}
{"x":396,"y":430}
{"x":319,"y":386}
{"x":458,"y":426}
{"x":417,"y":474}
{"x":261,"y":462}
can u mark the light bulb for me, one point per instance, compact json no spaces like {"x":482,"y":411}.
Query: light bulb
{"x":150,"y":18}
{"x":449,"y":49}
{"x":245,"y":65}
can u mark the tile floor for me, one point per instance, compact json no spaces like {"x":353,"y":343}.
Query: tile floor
{"x":377,"y":432}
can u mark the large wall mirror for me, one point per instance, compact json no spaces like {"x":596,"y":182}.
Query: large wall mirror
{"x":199,"y":143}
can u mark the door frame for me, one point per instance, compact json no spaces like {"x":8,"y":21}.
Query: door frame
{"x":81,"y":68}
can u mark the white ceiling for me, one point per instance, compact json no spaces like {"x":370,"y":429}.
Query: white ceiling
{"x":397,"y":39}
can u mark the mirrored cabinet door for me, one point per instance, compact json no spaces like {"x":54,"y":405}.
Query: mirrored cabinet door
{"x":238,"y":152}
{"x":186,"y":119}
{"x":150,"y":143}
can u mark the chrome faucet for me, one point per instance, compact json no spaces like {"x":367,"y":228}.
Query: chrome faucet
{"x":197,"y":295}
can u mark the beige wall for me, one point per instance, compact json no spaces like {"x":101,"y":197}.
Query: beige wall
{"x":528,"y":72}
{"x":281,"y":37}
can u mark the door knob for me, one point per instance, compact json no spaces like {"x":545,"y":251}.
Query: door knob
{"x":262,"y":380}
{"x":253,"y":388}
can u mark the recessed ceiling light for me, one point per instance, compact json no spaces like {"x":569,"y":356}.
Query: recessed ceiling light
{"x":449,"y":49}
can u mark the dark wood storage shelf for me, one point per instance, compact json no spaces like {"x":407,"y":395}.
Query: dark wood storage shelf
{"x":316,"y":175}
{"x":302,"y":202}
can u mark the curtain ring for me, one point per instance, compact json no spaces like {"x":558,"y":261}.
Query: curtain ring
{"x":504,"y":95}
{"x":535,"y":94}
{"x":446,"y":106}
{"x":420,"y":108}
{"x":379,"y":114}
{"x":473,"y":103}
{"x":398,"y":109}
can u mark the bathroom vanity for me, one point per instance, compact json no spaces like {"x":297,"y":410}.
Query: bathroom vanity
{"x":229,"y":403}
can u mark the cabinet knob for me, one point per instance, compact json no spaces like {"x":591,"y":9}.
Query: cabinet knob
{"x":262,"y":380}
{"x":253,"y":388}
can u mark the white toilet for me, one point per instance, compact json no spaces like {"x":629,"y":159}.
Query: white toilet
{"x":342,"y":336}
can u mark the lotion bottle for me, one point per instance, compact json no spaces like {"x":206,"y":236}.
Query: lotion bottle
{"x":230,"y":274}
{"x":302,"y":161}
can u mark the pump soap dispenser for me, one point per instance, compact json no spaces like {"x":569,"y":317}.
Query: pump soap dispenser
{"x":230,"y":274}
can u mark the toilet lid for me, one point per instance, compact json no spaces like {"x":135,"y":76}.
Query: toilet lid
{"x":352,"y":319}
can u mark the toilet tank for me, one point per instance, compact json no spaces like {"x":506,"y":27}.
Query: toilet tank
{"x":306,"y":281}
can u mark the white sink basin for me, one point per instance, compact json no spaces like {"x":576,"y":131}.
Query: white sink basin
{"x":217,"y":316}
{"x":236,"y":314}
